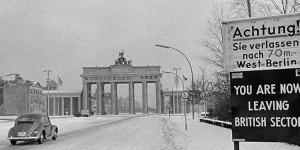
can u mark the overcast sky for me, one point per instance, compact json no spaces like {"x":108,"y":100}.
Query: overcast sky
{"x":65,"y":35}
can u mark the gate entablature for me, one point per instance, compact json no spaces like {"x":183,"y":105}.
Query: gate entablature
{"x":121,"y":74}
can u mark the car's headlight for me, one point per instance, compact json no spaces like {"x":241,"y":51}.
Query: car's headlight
{"x":35,"y":133}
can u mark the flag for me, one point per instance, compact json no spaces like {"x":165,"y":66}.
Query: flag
{"x":60,"y":82}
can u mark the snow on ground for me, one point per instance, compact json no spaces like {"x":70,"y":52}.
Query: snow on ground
{"x":138,"y":133}
{"x":147,"y":132}
{"x":205,"y":136}
{"x":65,"y":124}
{"x":173,"y":138}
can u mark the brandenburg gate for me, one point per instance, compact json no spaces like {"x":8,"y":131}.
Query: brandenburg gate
{"x":121,"y":72}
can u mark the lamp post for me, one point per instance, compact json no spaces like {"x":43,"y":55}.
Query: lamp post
{"x":48,"y":86}
{"x":193,"y":87}
{"x":176,"y":84}
{"x":185,"y":122}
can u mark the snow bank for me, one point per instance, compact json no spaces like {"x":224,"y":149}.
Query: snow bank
{"x":173,"y":139}
{"x":205,"y":136}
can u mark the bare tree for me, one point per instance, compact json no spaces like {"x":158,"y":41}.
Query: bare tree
{"x":205,"y":88}
{"x":214,"y":42}
{"x":203,"y":81}
{"x":265,"y":8}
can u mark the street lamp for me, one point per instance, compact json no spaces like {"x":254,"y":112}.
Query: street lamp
{"x":193,"y":87}
{"x":48,"y":85}
{"x":185,"y":122}
{"x":177,"y":76}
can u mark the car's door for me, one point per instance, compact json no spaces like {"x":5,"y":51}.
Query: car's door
{"x":43,"y":123}
{"x":48,"y":126}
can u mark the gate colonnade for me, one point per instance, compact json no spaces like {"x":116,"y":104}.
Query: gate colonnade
{"x":63,"y":102}
{"x":119,"y":73}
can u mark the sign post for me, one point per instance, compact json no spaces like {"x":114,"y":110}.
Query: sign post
{"x":236,"y":145}
{"x":185,"y":95}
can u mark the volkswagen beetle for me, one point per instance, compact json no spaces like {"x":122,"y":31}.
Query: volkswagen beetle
{"x":32,"y":127}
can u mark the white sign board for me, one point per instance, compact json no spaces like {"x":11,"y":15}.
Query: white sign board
{"x":262,"y":43}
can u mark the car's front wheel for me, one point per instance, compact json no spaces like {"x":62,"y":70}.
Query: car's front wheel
{"x":54,"y":136}
{"x":41,"y":139}
{"x":13,"y":142}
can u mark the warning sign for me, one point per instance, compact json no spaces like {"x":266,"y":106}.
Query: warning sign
{"x":265,"y":105}
{"x":262,"y":43}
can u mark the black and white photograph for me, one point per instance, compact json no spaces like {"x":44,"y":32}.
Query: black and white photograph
{"x":150,"y":75}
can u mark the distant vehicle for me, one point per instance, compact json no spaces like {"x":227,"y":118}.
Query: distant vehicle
{"x":32,"y":127}
{"x":85,"y":113}
{"x":204,"y":114}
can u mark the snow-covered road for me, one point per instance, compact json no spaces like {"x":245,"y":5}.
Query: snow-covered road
{"x":140,"y":132}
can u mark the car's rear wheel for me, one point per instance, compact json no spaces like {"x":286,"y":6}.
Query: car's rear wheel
{"x":13,"y":142}
{"x":41,"y":139}
{"x":54,"y":136}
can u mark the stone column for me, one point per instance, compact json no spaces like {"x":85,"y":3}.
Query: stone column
{"x":62,"y":106}
{"x":99,"y":98}
{"x":54,"y":106}
{"x":171,"y":103}
{"x":131,"y":98}
{"x":79,"y":104}
{"x":114,"y":98}
{"x":180,"y":103}
{"x":71,"y":106}
{"x":103,"y":112}
{"x":89,"y":99}
{"x":174,"y":102}
{"x":163,"y":103}
{"x":145,"y":97}
{"x":85,"y":96}
{"x":158,"y":98}
{"x":48,"y":107}
{"x":57,"y":106}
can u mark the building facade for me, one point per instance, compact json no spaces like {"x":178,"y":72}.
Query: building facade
{"x":63,"y":102}
{"x":22,"y":97}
